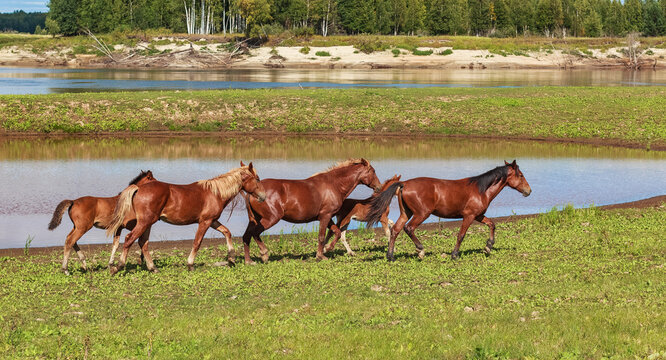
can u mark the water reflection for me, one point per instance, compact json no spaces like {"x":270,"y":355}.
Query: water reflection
{"x":41,"y":81}
{"x":37,"y":174}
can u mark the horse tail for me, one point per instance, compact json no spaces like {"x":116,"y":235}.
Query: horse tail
{"x":381,"y":202}
{"x":123,"y":206}
{"x":59,"y":211}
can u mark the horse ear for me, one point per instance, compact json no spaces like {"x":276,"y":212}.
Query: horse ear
{"x":251,"y":168}
{"x":242,"y":163}
{"x":364,"y":162}
{"x":398,"y":177}
{"x":513,"y":164}
{"x":506,"y":163}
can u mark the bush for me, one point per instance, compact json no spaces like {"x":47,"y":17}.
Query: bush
{"x":323,"y":53}
{"x":422,"y":52}
{"x":395,"y":52}
{"x":369,"y":45}
{"x":304,"y":31}
{"x":446,"y":52}
{"x":272,"y":29}
{"x":304,"y":50}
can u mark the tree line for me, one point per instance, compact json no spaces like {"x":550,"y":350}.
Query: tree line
{"x":22,"y":21}
{"x":501,"y":18}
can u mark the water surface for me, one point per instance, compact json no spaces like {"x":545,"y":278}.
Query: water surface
{"x":43,"y":80}
{"x":38,"y":173}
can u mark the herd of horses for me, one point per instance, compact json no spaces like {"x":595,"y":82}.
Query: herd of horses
{"x":321,"y":197}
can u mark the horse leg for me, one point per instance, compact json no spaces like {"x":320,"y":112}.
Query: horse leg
{"x":231,"y":252}
{"x":466,"y":222}
{"x":386,"y":223}
{"x":323,"y":225}
{"x":70,"y":241}
{"x":201,"y":231}
{"x":395,"y":230}
{"x":81,"y":256}
{"x":343,"y":222}
{"x":264,"y":223}
{"x":114,"y":248}
{"x":247,"y":238}
{"x":145,"y":253}
{"x":138,"y":230}
{"x":343,"y":238}
{"x":491,"y":239}
{"x":336,"y":230}
{"x":410,"y":229}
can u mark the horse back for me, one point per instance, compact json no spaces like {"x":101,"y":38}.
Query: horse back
{"x":444,"y":198}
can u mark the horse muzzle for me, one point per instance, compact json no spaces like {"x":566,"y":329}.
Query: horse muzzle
{"x":527,"y":192}
{"x":260,"y":197}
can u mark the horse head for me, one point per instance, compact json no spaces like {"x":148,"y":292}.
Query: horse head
{"x":516,"y":180}
{"x":251,"y":183}
{"x":368,"y":177}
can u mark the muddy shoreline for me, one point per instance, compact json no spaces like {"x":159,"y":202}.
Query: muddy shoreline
{"x":186,"y":245}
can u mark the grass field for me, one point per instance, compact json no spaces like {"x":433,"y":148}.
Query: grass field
{"x":573,"y":284}
{"x":633,"y":114}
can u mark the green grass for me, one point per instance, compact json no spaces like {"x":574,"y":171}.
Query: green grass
{"x":323,"y":53}
{"x":575,"y":284}
{"x":632,"y":114}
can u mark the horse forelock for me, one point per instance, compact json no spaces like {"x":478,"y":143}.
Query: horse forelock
{"x":339,"y":165}
{"x":138,"y":178}
{"x":490,"y":178}
{"x":226,"y":185}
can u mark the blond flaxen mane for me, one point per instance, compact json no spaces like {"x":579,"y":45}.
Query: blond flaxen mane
{"x":339,"y":165}
{"x":226,"y":185}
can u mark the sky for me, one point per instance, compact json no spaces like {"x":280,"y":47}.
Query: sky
{"x":25,"y":5}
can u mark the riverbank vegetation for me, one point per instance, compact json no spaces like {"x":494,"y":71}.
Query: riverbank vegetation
{"x":628,"y":114}
{"x":568,"y":284}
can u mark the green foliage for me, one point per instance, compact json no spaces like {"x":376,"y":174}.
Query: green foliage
{"x":52,"y":27}
{"x":23,"y":22}
{"x":304,"y":50}
{"x":422,"y":52}
{"x":445,"y":52}
{"x":256,"y":13}
{"x":396,"y":52}
{"x":323,"y":53}
{"x":547,"y":278}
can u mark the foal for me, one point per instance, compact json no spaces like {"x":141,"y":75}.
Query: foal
{"x":357,"y":209}
{"x":88,"y":211}
{"x":466,"y":198}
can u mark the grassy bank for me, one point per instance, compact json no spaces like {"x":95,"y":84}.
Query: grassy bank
{"x":611,"y":113}
{"x":573,"y":284}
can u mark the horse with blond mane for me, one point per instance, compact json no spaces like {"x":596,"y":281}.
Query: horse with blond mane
{"x":318,"y":197}
{"x":88,"y":211}
{"x":201,"y":202}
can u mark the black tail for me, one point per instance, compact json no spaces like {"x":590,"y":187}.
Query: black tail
{"x":379,"y":204}
{"x":59,"y":211}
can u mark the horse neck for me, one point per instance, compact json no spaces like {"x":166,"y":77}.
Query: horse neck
{"x":344,"y":180}
{"x":495,"y":189}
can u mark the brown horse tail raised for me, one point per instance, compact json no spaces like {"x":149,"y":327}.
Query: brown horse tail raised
{"x":379,"y":204}
{"x":59,"y":211}
{"x":123,"y":206}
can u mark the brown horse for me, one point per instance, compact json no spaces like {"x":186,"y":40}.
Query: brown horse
{"x":201,"y":202}
{"x":88,"y":211}
{"x":357,"y":209}
{"x":466,"y":198}
{"x":318,"y":197}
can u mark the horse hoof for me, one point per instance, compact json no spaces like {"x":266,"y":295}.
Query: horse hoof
{"x":231,"y":261}
{"x":264,"y":258}
{"x":113,"y":270}
{"x":455,"y":255}
{"x":390,"y":257}
{"x":250,"y":262}
{"x":154,"y":271}
{"x":421,"y":254}
{"x":486,"y":250}
{"x":351,"y":253}
{"x":66,"y":272}
{"x":190,"y":267}
{"x":321,"y":257}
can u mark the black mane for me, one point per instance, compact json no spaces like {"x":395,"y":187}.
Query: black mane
{"x":142,"y":175}
{"x":490,"y":178}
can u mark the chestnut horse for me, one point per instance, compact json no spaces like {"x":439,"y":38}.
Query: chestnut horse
{"x":318,"y":197}
{"x":88,"y":211}
{"x":201,"y":202}
{"x":357,"y":209}
{"x":466,"y":198}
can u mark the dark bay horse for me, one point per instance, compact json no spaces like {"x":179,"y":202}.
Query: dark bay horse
{"x":466,"y":198}
{"x":201,"y":202}
{"x":357,"y":209}
{"x":88,"y":211}
{"x":318,"y":197}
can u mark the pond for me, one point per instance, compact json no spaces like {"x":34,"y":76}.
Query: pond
{"x":14,"y":80}
{"x":38,"y":173}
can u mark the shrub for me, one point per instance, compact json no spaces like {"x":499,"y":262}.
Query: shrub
{"x":422,"y":52}
{"x":446,"y":52}
{"x":304,"y":50}
{"x":395,"y":52}
{"x":323,"y":53}
{"x":369,"y":45}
